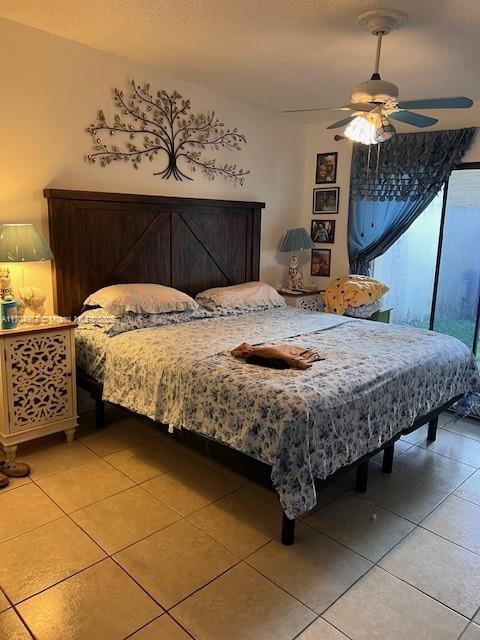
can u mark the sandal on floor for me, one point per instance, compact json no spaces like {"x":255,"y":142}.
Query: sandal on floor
{"x":14,"y":469}
{"x":4,"y":481}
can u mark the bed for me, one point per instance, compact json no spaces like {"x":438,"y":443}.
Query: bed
{"x":375,"y":383}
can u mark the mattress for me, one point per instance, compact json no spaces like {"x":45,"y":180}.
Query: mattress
{"x":373,"y":381}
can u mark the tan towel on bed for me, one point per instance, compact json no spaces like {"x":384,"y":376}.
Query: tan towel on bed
{"x":278,"y":356}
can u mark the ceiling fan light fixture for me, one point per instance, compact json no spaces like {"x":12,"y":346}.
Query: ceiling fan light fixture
{"x":372,"y":128}
{"x":384,"y":129}
{"x":362,"y":129}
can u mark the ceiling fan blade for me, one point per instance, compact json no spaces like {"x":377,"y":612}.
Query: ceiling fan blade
{"x":319,"y":109}
{"x":361,"y":106}
{"x":414,"y":119}
{"x":341,"y":123}
{"x":437,"y":103}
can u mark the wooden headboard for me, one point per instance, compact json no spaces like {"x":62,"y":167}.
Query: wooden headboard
{"x":99,"y":239}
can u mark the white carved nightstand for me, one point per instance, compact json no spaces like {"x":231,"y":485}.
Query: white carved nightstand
{"x":310,"y":300}
{"x":37,"y":374}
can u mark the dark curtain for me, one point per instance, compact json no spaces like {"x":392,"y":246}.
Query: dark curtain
{"x":392,"y":183}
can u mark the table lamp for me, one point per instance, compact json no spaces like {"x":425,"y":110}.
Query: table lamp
{"x":22,"y":243}
{"x":295,"y":240}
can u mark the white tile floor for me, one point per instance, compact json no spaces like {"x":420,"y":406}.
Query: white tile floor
{"x":128,"y":534}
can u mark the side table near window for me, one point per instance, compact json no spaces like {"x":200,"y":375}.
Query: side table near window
{"x":309,"y":300}
{"x":382,"y":315}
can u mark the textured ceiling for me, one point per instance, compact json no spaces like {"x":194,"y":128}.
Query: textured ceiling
{"x":282,"y":54}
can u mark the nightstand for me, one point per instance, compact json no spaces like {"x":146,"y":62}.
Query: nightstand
{"x":310,"y":300}
{"x":38,"y":389}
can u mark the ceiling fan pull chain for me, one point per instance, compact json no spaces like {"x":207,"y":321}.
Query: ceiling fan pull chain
{"x":376,"y":183}
{"x":362,"y":235}
{"x":368,"y":164}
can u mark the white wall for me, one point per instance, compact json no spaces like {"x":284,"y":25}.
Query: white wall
{"x":52,"y":89}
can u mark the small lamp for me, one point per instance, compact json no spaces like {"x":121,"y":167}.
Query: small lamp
{"x":22,"y":243}
{"x":295,"y":240}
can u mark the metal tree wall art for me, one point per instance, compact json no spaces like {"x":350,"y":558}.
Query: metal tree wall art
{"x":149,"y":125}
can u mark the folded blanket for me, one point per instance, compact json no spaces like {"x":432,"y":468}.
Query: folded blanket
{"x":278,"y":356}
{"x":352,"y":291}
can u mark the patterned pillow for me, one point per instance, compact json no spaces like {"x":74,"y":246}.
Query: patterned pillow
{"x":112,"y":326}
{"x":134,"y":321}
{"x":217,"y":310}
{"x":95,"y":318}
{"x":365,"y":310}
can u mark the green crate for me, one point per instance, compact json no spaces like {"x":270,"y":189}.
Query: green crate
{"x":382,"y":315}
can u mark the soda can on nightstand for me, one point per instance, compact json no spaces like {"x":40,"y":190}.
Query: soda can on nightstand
{"x":8,"y":308}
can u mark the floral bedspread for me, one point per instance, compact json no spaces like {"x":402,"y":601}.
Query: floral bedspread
{"x":91,"y":351}
{"x":374,"y":380}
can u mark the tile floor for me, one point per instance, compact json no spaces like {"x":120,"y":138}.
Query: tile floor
{"x":126,"y":533}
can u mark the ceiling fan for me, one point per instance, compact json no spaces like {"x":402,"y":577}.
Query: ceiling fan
{"x":374,"y":104}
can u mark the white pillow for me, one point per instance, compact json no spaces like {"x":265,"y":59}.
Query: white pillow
{"x":249,"y":295}
{"x":119,"y":299}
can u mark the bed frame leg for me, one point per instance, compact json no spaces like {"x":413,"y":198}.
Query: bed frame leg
{"x":387,"y":464}
{"x":288,"y":530}
{"x":362,"y":477}
{"x":432,"y":430}
{"x":99,"y":413}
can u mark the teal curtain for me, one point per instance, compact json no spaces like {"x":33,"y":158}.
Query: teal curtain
{"x":392,"y":183}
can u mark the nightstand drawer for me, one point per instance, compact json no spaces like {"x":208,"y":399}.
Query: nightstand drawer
{"x":39,"y":379}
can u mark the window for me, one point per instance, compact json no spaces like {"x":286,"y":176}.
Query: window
{"x":456,"y":305}
{"x":408,"y":268}
{"x":433,"y":270}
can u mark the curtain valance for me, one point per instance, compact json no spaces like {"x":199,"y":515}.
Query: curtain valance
{"x":411,"y":166}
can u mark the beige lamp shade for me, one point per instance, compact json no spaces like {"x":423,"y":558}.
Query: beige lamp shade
{"x":22,"y":243}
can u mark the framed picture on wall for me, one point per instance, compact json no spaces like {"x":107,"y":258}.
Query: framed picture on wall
{"x":326,"y":200}
{"x":323,"y":231}
{"x":326,"y":169}
{"x":321,"y":259}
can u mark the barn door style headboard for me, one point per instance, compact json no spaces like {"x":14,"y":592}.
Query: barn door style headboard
{"x":99,"y":239}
